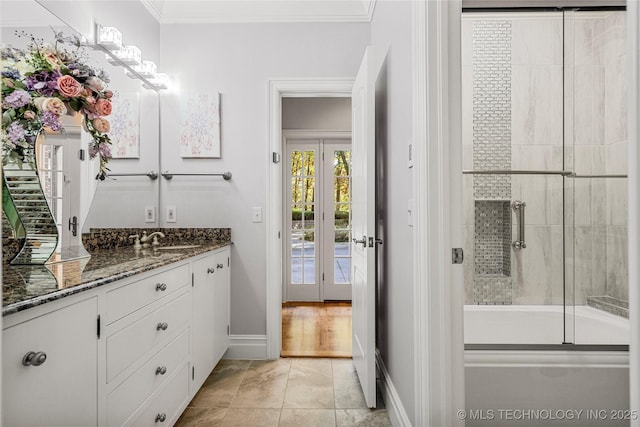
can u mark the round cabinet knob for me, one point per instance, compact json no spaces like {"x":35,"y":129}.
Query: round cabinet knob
{"x":220,"y":266}
{"x":162,"y":326}
{"x":33,"y":358}
{"x":161,"y":370}
{"x":161,"y":287}
{"x":211,"y":270}
{"x":161,"y":418}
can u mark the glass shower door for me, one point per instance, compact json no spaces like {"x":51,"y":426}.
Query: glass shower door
{"x":516,"y":221}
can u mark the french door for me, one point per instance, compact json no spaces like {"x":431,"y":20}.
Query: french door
{"x":318,"y":220}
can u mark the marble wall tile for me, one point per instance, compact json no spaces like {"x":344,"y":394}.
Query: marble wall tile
{"x":583,"y":267}
{"x":537,"y":104}
{"x":579,"y":201}
{"x":616,"y":101}
{"x":588,"y":38}
{"x":617,"y":158}
{"x":617,"y":262}
{"x":615,"y":37}
{"x":617,"y":205}
{"x":598,"y":201}
{"x":589,"y":105}
{"x":538,"y":269}
{"x":543,"y":195}
{"x":538,"y":40}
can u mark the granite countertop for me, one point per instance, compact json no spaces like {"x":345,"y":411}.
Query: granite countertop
{"x":26,"y":286}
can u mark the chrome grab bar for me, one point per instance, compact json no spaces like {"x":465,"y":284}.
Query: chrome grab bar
{"x":169,"y":175}
{"x":519,"y":206}
{"x":152,"y":175}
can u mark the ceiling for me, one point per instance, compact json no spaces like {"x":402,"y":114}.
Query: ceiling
{"x":208,"y":11}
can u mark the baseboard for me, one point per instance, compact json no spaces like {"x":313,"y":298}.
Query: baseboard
{"x":397,"y":413}
{"x":248,"y":347}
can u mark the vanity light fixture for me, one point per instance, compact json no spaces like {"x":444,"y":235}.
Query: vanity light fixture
{"x":109,"y":38}
{"x":129,"y":55}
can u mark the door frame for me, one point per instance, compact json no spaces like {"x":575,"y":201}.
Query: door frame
{"x":278,"y":89}
{"x":438,"y":286}
{"x":289,"y":134}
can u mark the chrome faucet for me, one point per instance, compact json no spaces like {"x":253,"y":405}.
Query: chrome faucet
{"x":145,"y":238}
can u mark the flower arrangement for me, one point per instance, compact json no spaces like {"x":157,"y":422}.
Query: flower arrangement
{"x":43,"y":83}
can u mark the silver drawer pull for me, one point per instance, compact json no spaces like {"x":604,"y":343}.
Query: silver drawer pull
{"x":161,"y":418}
{"x":34,"y":359}
{"x":162,"y":325}
{"x":161,"y":370}
{"x":161,"y":287}
{"x":211,"y":270}
{"x":219,"y":266}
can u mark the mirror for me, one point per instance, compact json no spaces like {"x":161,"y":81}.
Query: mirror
{"x":120,"y":201}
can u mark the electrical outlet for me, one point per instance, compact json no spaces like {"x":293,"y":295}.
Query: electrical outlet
{"x":256,"y":214}
{"x":171,"y":214}
{"x":149,"y":214}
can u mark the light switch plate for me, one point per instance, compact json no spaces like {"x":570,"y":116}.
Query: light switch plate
{"x":149,"y":214}
{"x":256,"y":214}
{"x":171,"y":214}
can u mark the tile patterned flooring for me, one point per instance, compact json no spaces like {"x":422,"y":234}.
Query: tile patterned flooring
{"x":295,"y":392}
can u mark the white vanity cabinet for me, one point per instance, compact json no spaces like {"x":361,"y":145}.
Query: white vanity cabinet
{"x":49,"y":365}
{"x":131,"y":352}
{"x":210,"y":327}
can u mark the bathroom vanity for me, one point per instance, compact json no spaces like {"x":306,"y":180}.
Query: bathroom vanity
{"x":127,"y":339}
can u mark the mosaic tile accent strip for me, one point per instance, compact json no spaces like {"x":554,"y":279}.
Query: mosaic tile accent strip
{"x":491,"y":151}
{"x":492,"y":242}
{"x":492,"y":290}
{"x":610,"y":305}
{"x":492,"y":107}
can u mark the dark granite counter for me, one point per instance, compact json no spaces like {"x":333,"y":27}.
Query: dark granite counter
{"x":24,"y":287}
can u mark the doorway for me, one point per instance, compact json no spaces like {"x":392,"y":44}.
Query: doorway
{"x":317,"y":213}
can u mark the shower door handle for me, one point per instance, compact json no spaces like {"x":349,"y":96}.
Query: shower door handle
{"x":519,"y":206}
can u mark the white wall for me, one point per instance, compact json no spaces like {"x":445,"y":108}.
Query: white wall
{"x":391,"y":32}
{"x":238,"y":60}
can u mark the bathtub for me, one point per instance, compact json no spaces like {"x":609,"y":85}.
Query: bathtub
{"x":542,"y":324}
{"x":516,"y":365}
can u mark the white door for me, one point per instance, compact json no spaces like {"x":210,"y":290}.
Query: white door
{"x":318,"y":220}
{"x":363,"y":244}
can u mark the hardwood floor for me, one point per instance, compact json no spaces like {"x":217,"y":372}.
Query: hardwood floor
{"x":316,"y":329}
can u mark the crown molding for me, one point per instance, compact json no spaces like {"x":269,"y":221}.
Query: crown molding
{"x":153,"y":10}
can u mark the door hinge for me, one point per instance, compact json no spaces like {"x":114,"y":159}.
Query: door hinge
{"x":457,"y":255}
{"x":193,"y":373}
{"x":192,"y":279}
{"x":81,"y":154}
{"x":228,"y":262}
{"x":323,"y":277}
{"x":275,"y":157}
{"x":228,"y":330}
{"x":98,"y":326}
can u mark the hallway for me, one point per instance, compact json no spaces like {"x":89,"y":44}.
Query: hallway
{"x":284,"y":392}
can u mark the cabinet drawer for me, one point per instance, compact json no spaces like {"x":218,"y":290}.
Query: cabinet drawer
{"x":128,"y":396}
{"x":129,"y":298}
{"x":129,"y":344}
{"x":167,"y":403}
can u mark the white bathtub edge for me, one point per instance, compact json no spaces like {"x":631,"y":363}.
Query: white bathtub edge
{"x":544,"y":358}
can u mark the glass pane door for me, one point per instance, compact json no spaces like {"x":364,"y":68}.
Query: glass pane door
{"x":337,"y":221}
{"x":303,"y":282}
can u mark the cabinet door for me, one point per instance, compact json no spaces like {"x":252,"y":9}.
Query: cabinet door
{"x":202,"y":345}
{"x":62,"y":391}
{"x":221,"y":303}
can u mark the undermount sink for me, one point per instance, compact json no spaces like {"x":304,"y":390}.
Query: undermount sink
{"x":176,"y":247}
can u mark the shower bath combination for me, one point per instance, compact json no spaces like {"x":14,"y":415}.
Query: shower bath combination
{"x":545,"y":202}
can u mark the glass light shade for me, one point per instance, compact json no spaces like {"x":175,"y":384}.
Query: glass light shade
{"x":160,"y":81}
{"x":109,"y":37}
{"x":146,"y":69}
{"x":129,"y":55}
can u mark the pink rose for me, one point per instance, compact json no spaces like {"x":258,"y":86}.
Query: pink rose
{"x":101,"y":125}
{"x":86,"y":92}
{"x":90,"y":100}
{"x":103,"y":107}
{"x":69,"y":87}
{"x":108,"y":94}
